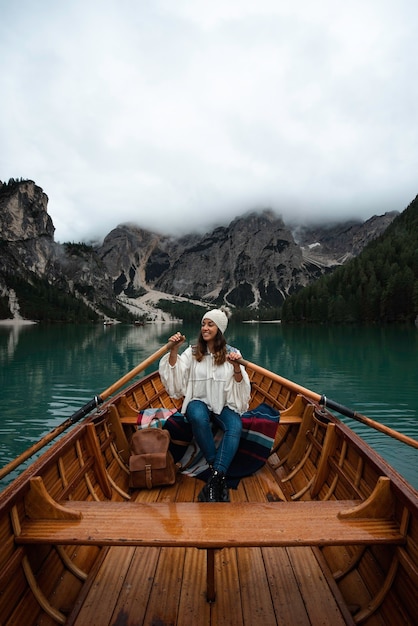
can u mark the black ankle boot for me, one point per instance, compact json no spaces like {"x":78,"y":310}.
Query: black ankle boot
{"x":224,"y":490}
{"x":214,"y":487}
{"x":203,"y":495}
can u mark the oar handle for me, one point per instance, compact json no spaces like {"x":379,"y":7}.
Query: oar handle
{"x":89,"y":406}
{"x":325,"y":401}
{"x":335,"y":406}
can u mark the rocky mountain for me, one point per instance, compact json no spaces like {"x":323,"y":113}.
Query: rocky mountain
{"x":255,"y":261}
{"x":340,"y":242}
{"x":27,"y":231}
{"x":29,"y":253}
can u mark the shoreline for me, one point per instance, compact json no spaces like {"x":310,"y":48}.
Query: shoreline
{"x":262,"y":321}
{"x":16,"y":322}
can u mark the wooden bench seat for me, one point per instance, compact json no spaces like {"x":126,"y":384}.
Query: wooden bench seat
{"x":286,"y":420}
{"x":209,"y":526}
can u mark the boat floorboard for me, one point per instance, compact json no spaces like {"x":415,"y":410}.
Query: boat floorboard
{"x":137,"y":586}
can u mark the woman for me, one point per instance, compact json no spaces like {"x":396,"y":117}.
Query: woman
{"x":216,"y":389}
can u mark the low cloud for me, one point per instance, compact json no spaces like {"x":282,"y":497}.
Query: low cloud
{"x":178,"y":116}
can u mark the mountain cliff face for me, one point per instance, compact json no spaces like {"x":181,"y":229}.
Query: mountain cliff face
{"x":23,"y":212}
{"x":26,"y":229}
{"x":28,"y":250}
{"x":341,"y":242}
{"x":255,"y":261}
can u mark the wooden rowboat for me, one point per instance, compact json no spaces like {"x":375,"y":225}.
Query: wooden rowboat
{"x":326,"y":532}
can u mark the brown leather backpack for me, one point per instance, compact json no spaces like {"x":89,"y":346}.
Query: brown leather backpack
{"x":151,"y":464}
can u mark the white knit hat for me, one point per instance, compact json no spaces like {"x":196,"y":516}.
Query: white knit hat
{"x":219,"y":317}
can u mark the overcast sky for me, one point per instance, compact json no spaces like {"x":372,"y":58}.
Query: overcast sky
{"x":178,"y":115}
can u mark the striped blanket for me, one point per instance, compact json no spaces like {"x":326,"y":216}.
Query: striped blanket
{"x":257,"y":438}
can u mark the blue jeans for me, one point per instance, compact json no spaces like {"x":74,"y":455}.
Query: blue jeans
{"x":200,"y":418}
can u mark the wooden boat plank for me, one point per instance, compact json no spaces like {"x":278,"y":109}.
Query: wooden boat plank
{"x":65,"y":586}
{"x":230,"y":565}
{"x":29,"y":603}
{"x":333,"y":586}
{"x":100,"y":602}
{"x":88,"y":585}
{"x":136,"y":589}
{"x":379,"y":583}
{"x":227,"y":609}
{"x":285,"y":588}
{"x":262,"y":487}
{"x":16,"y":615}
{"x":10,"y":568}
{"x":185,"y":490}
{"x":270,"y":488}
{"x":205,"y":525}
{"x":321,"y":607}
{"x":352,"y":585}
{"x":253,"y":490}
{"x":239,"y":494}
{"x":257,"y":606}
{"x":193,"y":607}
{"x":135,"y":593}
{"x":165,"y":592}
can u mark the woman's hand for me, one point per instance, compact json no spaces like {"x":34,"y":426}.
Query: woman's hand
{"x":233,"y":356}
{"x":176,"y":340}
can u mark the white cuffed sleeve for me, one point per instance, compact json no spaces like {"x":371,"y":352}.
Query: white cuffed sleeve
{"x":174,"y":377}
{"x":238,"y":393}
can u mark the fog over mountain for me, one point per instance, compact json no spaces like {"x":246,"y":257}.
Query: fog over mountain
{"x":254,"y":262}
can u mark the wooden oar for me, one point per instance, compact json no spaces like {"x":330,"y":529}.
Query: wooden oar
{"x":89,"y":406}
{"x":323,"y":400}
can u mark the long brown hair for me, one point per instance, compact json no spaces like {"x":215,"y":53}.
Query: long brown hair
{"x":219,"y":344}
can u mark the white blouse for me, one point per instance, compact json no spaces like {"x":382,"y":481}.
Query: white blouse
{"x":215,"y":385}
